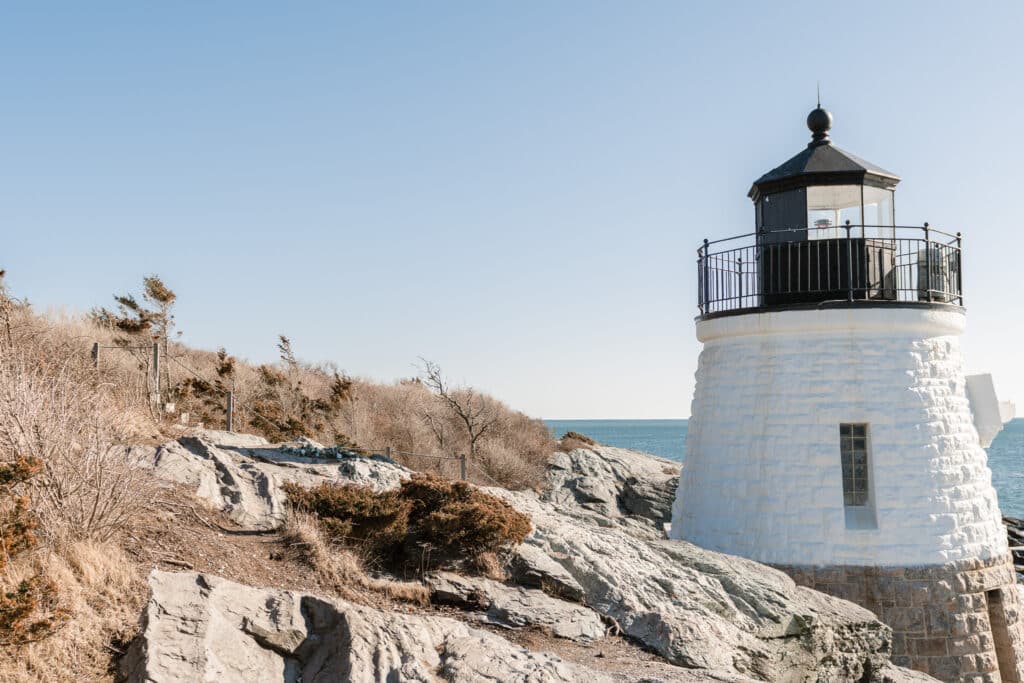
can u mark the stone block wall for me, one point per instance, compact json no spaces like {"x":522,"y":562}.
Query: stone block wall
{"x":957,"y":622}
{"x":762,"y":474}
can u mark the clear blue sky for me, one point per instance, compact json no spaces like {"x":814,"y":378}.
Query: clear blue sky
{"x":514,"y":190}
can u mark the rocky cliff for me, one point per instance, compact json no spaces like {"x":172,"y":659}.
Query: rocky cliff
{"x":596,"y":563}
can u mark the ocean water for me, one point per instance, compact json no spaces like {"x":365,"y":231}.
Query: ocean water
{"x":667,"y":438}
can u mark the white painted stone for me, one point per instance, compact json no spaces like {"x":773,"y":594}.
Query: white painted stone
{"x":762,"y":476}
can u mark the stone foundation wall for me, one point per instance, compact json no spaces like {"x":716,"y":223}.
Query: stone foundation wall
{"x":957,"y":622}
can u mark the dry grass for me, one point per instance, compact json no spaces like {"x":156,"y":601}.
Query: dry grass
{"x":338,"y":567}
{"x":101,"y":592}
{"x":90,"y":485}
{"x":56,"y":410}
{"x":409,"y":418}
{"x":93,"y":501}
{"x":404,"y":415}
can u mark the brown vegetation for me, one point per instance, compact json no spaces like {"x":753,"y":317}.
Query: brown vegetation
{"x":338,"y":567}
{"x":27,"y":606}
{"x":428,"y":520}
{"x":83,"y":521}
{"x":67,"y":486}
{"x":570,"y":441}
{"x":414,"y":417}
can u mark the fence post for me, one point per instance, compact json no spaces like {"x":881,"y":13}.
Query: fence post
{"x":156,"y":373}
{"x":230,"y":411}
{"x":849,"y":264}
{"x":387,"y":452}
{"x":462,"y":466}
{"x":95,"y":355}
{"x":959,"y":267}
{"x":928,"y":262}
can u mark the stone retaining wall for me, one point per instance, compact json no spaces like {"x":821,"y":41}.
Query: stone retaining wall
{"x":957,"y":622}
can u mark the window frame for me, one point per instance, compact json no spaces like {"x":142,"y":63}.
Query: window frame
{"x":853,"y":458}
{"x":856,"y":475}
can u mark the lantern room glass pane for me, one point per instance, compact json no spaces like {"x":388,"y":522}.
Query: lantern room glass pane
{"x":878,"y":213}
{"x":828,"y":209}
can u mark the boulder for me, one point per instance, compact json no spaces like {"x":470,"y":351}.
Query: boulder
{"x":704,"y":610}
{"x":226,"y":439}
{"x":241,"y":475}
{"x":516,"y":607}
{"x":609,"y":485}
{"x":532,"y":567}
{"x":198,"y":627}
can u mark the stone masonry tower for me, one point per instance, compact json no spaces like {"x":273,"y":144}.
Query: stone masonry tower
{"x":833,"y":432}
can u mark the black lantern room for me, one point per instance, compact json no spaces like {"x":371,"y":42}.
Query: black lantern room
{"x":825,"y":224}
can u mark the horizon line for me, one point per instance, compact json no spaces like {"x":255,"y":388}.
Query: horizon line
{"x":602,"y":419}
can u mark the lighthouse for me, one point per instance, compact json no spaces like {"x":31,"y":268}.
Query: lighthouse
{"x":833,"y":432}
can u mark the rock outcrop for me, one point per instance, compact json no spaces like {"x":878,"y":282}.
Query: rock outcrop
{"x":241,"y":474}
{"x":515,"y":607}
{"x":707,"y":611}
{"x":596,"y":542}
{"x":614,"y":484}
{"x":534,"y":568}
{"x":203,"y":628}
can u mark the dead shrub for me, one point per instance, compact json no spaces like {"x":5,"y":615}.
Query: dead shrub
{"x":451,"y":522}
{"x":88,"y":486}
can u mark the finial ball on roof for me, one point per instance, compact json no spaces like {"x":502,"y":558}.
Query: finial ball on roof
{"x":819,"y":121}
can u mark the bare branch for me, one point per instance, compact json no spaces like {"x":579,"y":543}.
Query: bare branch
{"x":477,"y":413}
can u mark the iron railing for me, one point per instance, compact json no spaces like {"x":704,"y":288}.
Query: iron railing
{"x":778,"y":268}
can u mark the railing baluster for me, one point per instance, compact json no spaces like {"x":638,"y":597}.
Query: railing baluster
{"x":927,"y":264}
{"x":849,"y":264}
{"x":739,"y":267}
{"x":960,"y":265}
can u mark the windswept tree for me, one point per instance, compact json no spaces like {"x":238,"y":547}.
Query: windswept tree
{"x":206,"y":398}
{"x":284,"y":409}
{"x":153,"y":315}
{"x":134,"y":320}
{"x":476,"y":413}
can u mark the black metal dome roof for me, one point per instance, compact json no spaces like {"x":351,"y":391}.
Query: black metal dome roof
{"x":822,"y":163}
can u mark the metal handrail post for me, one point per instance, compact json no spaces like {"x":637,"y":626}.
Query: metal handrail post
{"x":959,"y":268}
{"x":849,"y":264}
{"x":927,"y":263}
{"x":705,"y":279}
{"x":739,"y":272}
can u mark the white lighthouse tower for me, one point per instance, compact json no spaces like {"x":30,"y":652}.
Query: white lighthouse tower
{"x":833,"y":432}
